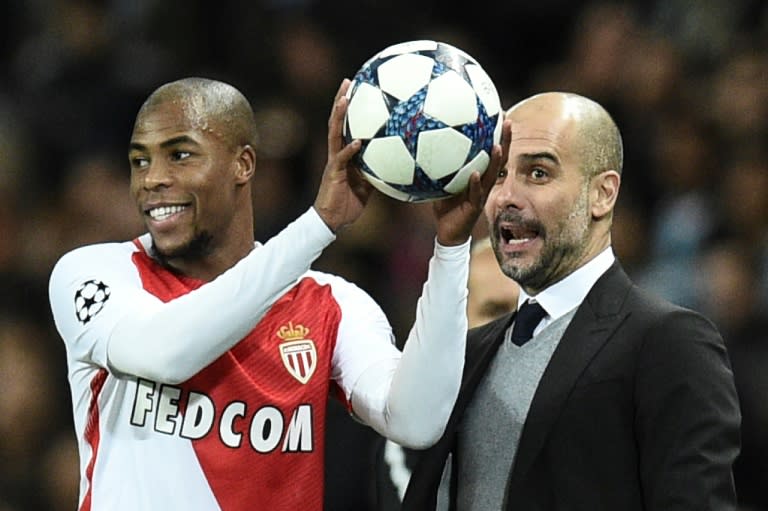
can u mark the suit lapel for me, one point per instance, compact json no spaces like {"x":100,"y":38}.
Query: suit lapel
{"x":595,"y":319}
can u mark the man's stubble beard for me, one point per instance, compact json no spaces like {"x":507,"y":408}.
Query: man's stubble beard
{"x":559,"y":255}
{"x":198,"y":248}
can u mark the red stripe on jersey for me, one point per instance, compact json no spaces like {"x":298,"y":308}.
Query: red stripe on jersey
{"x":265,"y":449}
{"x":92,"y":435}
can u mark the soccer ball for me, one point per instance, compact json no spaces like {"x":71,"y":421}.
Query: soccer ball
{"x":427,"y":115}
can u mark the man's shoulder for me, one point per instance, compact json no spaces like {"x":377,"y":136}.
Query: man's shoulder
{"x":337,"y":283}
{"x":616,"y":291}
{"x":652,"y":303}
{"x":100,"y":249}
{"x":346,"y":294}
{"x":95,"y":255}
{"x":648,"y":312}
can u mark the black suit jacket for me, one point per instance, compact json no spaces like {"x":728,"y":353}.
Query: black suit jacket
{"x":636,"y":410}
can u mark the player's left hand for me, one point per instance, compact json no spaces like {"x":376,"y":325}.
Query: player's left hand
{"x":456,"y":215}
{"x":343,"y":192}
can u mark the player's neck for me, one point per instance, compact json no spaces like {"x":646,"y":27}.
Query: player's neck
{"x":209,"y":264}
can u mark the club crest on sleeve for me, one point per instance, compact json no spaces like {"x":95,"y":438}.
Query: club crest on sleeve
{"x":298,"y":353}
{"x":90,"y":299}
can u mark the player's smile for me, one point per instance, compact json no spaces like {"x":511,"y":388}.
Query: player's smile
{"x":160,"y":214}
{"x":164,"y":212}
{"x":162,"y":217}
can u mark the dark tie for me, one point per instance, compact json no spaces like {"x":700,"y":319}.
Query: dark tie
{"x":529,"y":315}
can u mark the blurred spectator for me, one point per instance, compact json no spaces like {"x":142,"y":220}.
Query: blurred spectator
{"x":743,"y":211}
{"x":58,"y":473}
{"x":739,"y":95}
{"x":92,"y":204}
{"x":726,"y":282}
{"x":30,"y":409}
{"x":682,"y":219}
{"x":491,"y":294}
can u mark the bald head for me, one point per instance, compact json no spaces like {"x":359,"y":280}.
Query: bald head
{"x":596,"y":139}
{"x":551,"y":208}
{"x":208,"y":105}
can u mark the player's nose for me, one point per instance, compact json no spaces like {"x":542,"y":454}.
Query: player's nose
{"x":157,"y":175}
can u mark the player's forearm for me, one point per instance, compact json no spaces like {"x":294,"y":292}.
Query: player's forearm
{"x":426,"y":382}
{"x":170,"y":342}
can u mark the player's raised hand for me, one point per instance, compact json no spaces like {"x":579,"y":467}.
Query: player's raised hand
{"x":343,"y":191}
{"x":456,"y":216}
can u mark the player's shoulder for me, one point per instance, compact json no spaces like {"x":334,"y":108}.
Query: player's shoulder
{"x":330,"y":279}
{"x":98,"y":251}
{"x":341,"y":287}
{"x":95,"y":256}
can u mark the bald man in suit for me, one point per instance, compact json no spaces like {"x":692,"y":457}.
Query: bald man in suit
{"x":594,"y":395}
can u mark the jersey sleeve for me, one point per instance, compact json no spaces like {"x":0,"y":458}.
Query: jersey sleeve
{"x":408,"y":397}
{"x":90,"y":289}
{"x":106,"y":318}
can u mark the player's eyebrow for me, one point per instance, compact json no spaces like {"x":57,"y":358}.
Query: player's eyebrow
{"x":181,"y":139}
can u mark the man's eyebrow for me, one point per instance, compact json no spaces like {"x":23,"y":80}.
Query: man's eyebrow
{"x":181,"y":139}
{"x":540,"y":156}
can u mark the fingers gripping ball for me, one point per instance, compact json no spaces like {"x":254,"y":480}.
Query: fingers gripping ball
{"x":427,"y":115}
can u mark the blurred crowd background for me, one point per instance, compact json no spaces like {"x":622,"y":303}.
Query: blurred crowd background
{"x":686,"y":80}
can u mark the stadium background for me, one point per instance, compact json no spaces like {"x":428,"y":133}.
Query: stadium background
{"x":685,"y":79}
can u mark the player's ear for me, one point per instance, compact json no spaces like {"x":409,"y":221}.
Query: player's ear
{"x":245,"y":164}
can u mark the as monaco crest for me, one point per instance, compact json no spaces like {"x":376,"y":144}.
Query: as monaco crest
{"x":298,"y":353}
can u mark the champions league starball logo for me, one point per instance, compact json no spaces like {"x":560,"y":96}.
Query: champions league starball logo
{"x":90,"y":299}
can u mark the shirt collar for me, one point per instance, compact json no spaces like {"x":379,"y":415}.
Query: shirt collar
{"x":566,"y":294}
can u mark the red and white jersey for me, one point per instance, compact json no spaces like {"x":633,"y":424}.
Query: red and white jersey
{"x":177,"y":405}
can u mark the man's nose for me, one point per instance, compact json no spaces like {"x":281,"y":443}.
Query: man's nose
{"x":157,"y":174}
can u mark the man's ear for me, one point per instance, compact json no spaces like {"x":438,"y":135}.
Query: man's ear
{"x":604,"y":192}
{"x":245,"y":164}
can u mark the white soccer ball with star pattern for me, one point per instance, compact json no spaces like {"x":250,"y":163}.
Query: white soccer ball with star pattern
{"x":427,"y":115}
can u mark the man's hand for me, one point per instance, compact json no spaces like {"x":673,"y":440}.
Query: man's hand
{"x":456,"y":216}
{"x":343,"y":191}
